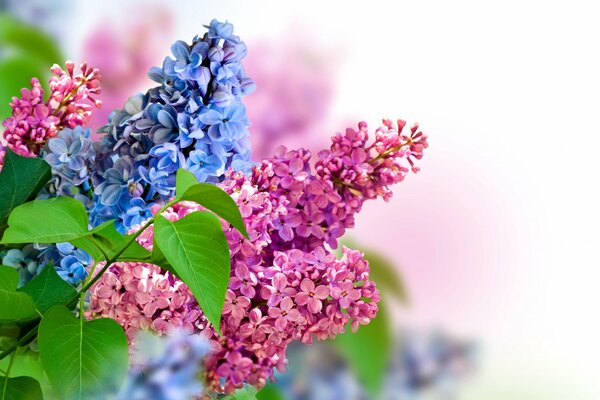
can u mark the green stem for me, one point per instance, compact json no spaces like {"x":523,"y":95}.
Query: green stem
{"x":10,"y":364}
{"x":389,"y":151}
{"x":30,"y":335}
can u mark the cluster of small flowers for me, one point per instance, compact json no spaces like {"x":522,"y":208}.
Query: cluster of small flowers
{"x":195,"y":120}
{"x":285,"y":284}
{"x":35,"y":120}
{"x":165,"y":368}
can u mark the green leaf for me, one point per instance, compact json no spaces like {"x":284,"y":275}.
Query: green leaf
{"x":60,"y":219}
{"x":183,"y":181}
{"x":21,"y":179}
{"x":197,"y":249}
{"x":21,"y":388}
{"x":27,"y":363}
{"x":48,"y":289}
{"x":30,"y":40}
{"x":384,"y":273}
{"x":82,"y":359}
{"x":9,"y":278}
{"x":16,"y":307}
{"x":270,"y":392}
{"x":368,"y":350}
{"x":246,"y":393}
{"x":386,"y":276}
{"x":218,"y":201}
{"x":16,"y":71}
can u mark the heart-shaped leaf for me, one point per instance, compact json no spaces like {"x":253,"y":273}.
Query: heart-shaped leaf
{"x":82,"y":359}
{"x":183,"y":181}
{"x":60,"y":219}
{"x":21,"y":388}
{"x":48,"y":289}
{"x":197,"y":249}
{"x":20,"y":180}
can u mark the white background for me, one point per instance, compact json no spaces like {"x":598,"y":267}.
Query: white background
{"x":509,"y":95}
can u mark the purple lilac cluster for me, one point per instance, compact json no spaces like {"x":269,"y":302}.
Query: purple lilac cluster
{"x":194,"y":119}
{"x":35,"y":120}
{"x":285,"y":284}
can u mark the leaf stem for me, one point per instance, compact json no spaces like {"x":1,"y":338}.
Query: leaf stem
{"x":10,"y":364}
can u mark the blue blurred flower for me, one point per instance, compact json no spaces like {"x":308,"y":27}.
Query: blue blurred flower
{"x":165,"y":368}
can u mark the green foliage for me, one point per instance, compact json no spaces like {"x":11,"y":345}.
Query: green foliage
{"x":21,"y":179}
{"x":16,"y":308}
{"x":107,"y":238}
{"x":386,"y":276}
{"x":383,"y":272}
{"x":60,"y":219}
{"x":184,"y":180}
{"x":9,"y":278}
{"x":21,"y":388}
{"x":28,"y":52}
{"x":48,"y":289}
{"x":82,"y":359}
{"x":270,"y":392}
{"x":212,"y":198}
{"x":368,"y":350}
{"x":89,"y":359}
{"x":197,"y":249}
{"x":246,"y":393}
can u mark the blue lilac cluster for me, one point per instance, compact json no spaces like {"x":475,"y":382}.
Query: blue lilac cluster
{"x":165,"y":367}
{"x":71,"y":154}
{"x":429,"y":365}
{"x":194,"y":119}
{"x":70,"y":263}
{"x":25,"y":261}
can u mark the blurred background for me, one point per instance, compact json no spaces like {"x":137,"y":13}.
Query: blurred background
{"x":494,"y":241}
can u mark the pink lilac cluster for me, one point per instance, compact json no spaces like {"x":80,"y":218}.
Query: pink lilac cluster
{"x":35,"y":120}
{"x":286,"y":284}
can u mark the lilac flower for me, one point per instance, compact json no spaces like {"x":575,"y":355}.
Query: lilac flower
{"x":117,"y":181}
{"x":220,"y":30}
{"x":136,"y":212}
{"x":225,"y":124}
{"x":204,"y":166}
{"x":190,"y":128}
{"x":158,"y":180}
{"x":25,"y":261}
{"x":70,"y":153}
{"x":168,"y":158}
{"x":188,"y":63}
{"x":71,"y":270}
